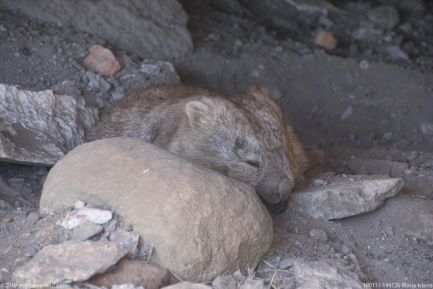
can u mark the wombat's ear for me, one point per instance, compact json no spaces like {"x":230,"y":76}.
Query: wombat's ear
{"x":261,"y":95}
{"x":197,"y":110}
{"x":259,"y":92}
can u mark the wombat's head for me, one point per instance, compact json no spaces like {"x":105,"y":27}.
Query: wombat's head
{"x":246,"y":139}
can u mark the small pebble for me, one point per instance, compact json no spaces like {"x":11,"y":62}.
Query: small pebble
{"x":224,"y":282}
{"x":31,"y":252}
{"x":79,"y":204}
{"x":346,"y":113}
{"x":384,"y":16}
{"x":389,"y":230}
{"x":387,"y":135}
{"x":364,"y":64}
{"x":238,"y":43}
{"x":319,"y":235}
{"x":319,"y":182}
{"x":255,"y":73}
{"x":128,"y":240}
{"x":102,"y":60}
{"x":345,"y":250}
{"x":6,"y":220}
{"x":325,"y":39}
{"x":426,"y":128}
{"x":406,"y":27}
{"x":33,"y":217}
{"x":251,"y":283}
{"x":278,"y":48}
{"x":286,"y":263}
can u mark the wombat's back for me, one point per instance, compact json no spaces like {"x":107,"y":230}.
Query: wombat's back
{"x":145,"y":113}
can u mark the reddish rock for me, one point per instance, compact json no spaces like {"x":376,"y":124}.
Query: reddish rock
{"x":325,"y":39}
{"x":138,"y":273}
{"x":102,"y":60}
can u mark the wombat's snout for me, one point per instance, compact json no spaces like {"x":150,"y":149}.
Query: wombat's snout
{"x":275,"y":193}
{"x":284,"y":188}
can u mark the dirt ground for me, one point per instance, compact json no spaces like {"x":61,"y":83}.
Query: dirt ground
{"x":357,"y":102}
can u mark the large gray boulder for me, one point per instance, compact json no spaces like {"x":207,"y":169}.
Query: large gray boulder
{"x":40,"y":127}
{"x":200,"y":223}
{"x":151,"y":29}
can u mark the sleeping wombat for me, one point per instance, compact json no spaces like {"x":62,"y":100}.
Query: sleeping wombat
{"x":244,"y":137}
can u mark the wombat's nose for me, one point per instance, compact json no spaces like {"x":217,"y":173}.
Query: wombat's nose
{"x":284,"y":189}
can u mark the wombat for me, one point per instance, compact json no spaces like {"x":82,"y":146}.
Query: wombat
{"x":244,"y":137}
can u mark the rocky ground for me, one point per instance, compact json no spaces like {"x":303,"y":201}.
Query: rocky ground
{"x":365,"y":105}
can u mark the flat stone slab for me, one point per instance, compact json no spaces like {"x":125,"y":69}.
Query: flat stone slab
{"x":70,"y":261}
{"x":344,"y":196}
{"x":322,"y":274}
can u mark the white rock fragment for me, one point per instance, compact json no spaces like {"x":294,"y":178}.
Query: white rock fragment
{"x":345,"y":196}
{"x":79,"y":204}
{"x":68,"y":262}
{"x":187,"y":285}
{"x":126,"y":286}
{"x":77,"y":217}
{"x":96,"y":216}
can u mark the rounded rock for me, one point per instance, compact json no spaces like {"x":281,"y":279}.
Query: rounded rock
{"x":319,"y":235}
{"x":199,"y":222}
{"x":384,"y":16}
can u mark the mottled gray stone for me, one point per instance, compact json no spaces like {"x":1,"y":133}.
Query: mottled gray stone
{"x":40,"y":127}
{"x":345,"y":196}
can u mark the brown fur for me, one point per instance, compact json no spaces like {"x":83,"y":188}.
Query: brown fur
{"x":245,"y":137}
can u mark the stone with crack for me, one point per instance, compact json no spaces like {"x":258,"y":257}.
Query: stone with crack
{"x":70,"y":261}
{"x":323,"y":274}
{"x":345,"y":196}
{"x":40,"y":127}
